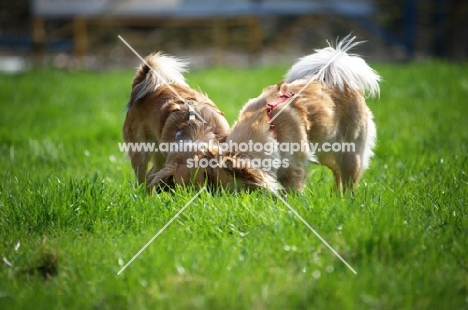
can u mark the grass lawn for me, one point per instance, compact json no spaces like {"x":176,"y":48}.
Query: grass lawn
{"x":70,"y":217}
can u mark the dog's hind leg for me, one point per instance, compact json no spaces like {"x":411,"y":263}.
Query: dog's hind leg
{"x":350,"y":170}
{"x":338,"y":183}
{"x":353,"y":162}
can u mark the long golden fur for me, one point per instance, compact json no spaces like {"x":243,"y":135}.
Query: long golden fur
{"x":158,"y":112}
{"x":329,"y":106}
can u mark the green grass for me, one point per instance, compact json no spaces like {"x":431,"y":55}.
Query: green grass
{"x":67,"y":194}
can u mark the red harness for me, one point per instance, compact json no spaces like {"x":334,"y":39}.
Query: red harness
{"x":270,"y":106}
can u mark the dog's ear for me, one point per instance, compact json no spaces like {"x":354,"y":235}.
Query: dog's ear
{"x":282,"y":87}
{"x":245,"y":170}
{"x":162,"y":180}
{"x":279,"y":85}
{"x":257,"y":178}
{"x":254,"y":177}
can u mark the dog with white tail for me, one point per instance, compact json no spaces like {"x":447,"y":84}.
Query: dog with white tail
{"x":320,"y":101}
{"x":164,"y":109}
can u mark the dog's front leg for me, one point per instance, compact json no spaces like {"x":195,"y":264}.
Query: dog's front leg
{"x":293,"y":177}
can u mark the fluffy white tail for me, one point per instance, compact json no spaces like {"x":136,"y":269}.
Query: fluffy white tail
{"x":334,"y":67}
{"x":166,"y":69}
{"x":157,"y":70}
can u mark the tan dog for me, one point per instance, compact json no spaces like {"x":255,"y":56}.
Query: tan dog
{"x":321,"y":101}
{"x":163,"y":109}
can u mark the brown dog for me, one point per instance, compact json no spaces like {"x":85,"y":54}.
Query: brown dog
{"x":164,"y":111}
{"x":320,"y":105}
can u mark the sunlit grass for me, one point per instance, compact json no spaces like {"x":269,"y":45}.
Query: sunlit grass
{"x":67,"y":192}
